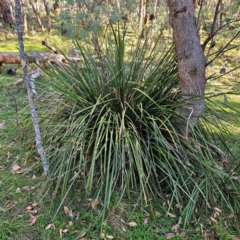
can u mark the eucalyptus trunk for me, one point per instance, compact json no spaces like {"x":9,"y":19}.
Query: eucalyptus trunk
{"x":191,"y":62}
{"x":37,"y":15}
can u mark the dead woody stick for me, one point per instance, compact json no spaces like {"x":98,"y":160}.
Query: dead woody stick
{"x":29,"y":90}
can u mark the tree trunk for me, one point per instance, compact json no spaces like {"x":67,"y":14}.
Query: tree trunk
{"x":49,"y":24}
{"x":191,"y":62}
{"x":29,"y":90}
{"x":56,"y":7}
{"x":118,"y":6}
{"x":36,"y":14}
{"x":6,"y":12}
{"x":142,"y":17}
{"x":25,"y":20}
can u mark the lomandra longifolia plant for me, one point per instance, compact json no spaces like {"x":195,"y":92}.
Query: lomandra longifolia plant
{"x":110,"y":130}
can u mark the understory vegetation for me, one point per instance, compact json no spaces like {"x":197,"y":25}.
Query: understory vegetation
{"x":119,"y":166}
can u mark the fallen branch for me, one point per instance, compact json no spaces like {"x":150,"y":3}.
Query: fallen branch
{"x":50,"y":47}
{"x":35,"y":57}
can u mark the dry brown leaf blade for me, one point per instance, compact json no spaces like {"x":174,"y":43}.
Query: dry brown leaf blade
{"x":132,"y":224}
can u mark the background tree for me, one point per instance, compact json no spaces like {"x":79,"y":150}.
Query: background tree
{"x":37,"y":15}
{"x":6,"y":12}
{"x":191,"y":63}
{"x":49,"y":23}
{"x":143,"y":16}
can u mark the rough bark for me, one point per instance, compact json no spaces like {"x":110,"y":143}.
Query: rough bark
{"x":191,"y":62}
{"x":29,"y":90}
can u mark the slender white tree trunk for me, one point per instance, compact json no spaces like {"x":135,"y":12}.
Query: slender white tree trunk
{"x":29,"y":90}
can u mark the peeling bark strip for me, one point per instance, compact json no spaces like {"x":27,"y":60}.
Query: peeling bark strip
{"x":30,"y":94}
{"x":191,"y":63}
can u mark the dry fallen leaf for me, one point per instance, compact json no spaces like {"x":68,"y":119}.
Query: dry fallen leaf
{"x":216,"y":214}
{"x":179,"y":206}
{"x":231,"y":215}
{"x":94,"y":203}
{"x":171,"y":215}
{"x":34,"y":204}
{"x":132,"y":224}
{"x":217,"y":209}
{"x":103,"y":236}
{"x":29,"y":207}
{"x":68,"y":211}
{"x":15,"y":168}
{"x":48,"y":226}
{"x":51,"y":225}
{"x":60,"y":232}
{"x":33,"y":177}
{"x":169,"y":235}
{"x":26,"y":188}
{"x":70,"y":223}
{"x":110,"y":237}
{"x":32,"y":220}
{"x":122,"y":220}
{"x":145,"y":221}
{"x":175,"y":227}
{"x":182,"y":234}
{"x":214,"y":220}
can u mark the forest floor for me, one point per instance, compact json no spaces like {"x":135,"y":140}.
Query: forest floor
{"x":26,"y":214}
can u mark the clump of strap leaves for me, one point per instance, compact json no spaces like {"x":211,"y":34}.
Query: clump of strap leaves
{"x":109,"y":130}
